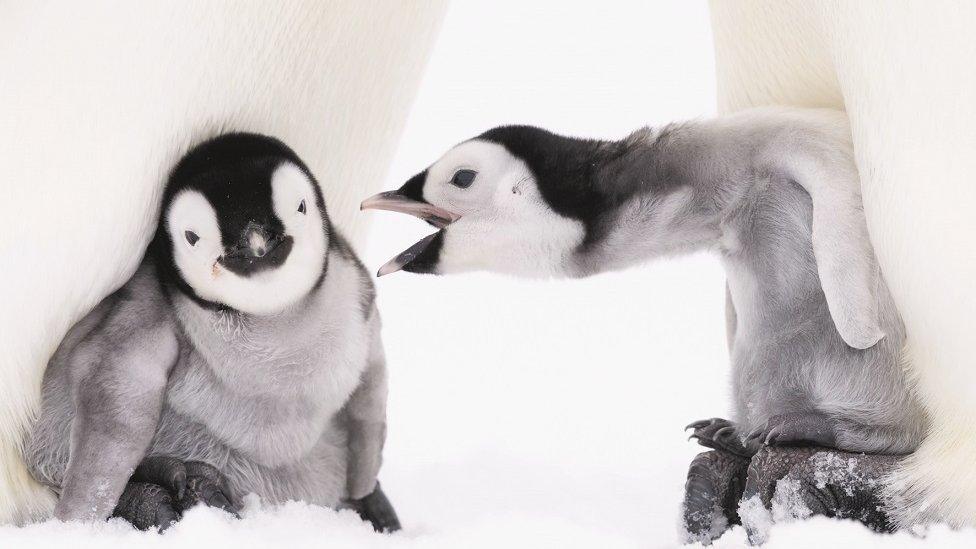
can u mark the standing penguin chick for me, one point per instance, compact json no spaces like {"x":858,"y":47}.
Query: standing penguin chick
{"x":815,"y":340}
{"x":243,"y":356}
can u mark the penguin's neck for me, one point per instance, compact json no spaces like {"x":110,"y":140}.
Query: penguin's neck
{"x":659,"y":196}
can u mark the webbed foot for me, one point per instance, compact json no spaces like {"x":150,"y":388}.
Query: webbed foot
{"x":712,"y":491}
{"x":786,"y":429}
{"x":797,"y":482}
{"x":162,"y":488}
{"x":147,"y":506}
{"x":720,"y":434}
{"x":376,"y":509}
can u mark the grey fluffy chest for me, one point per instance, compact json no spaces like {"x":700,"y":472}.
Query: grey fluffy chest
{"x":783,"y":325}
{"x":787,"y":355}
{"x":268,"y":388}
{"x":799,"y":343}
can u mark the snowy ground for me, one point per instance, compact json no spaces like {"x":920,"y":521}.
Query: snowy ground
{"x":533,"y":414}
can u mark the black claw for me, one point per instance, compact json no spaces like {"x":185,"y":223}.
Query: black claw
{"x":724,"y":432}
{"x":700,"y":423}
{"x":205,"y":485}
{"x":166,"y":519}
{"x":819,"y":502}
{"x":376,"y":509}
{"x":796,"y":428}
{"x":220,"y":501}
{"x":719,"y":434}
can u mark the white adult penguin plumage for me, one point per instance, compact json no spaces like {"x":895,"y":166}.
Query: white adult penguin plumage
{"x":91,"y":128}
{"x":816,"y":342}
{"x":903,"y":72}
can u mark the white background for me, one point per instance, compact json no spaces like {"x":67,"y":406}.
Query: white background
{"x":559,"y":402}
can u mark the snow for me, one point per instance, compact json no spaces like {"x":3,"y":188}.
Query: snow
{"x":533,"y":413}
{"x":758,"y":519}
{"x":833,"y":469}
{"x":297,"y":525}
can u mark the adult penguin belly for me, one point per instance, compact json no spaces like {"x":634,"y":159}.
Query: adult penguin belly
{"x":90,"y":129}
{"x":904,"y":75}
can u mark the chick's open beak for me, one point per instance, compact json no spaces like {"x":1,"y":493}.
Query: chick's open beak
{"x":421,"y":257}
{"x":396,"y":202}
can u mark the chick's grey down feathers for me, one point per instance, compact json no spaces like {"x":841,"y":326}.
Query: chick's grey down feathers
{"x":289,"y":405}
{"x":815,"y":341}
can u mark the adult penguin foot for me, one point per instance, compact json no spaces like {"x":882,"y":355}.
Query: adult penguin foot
{"x":789,"y":483}
{"x":715,"y":483}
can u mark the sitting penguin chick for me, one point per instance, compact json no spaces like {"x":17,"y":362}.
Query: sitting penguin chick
{"x":815,"y":341}
{"x":243,"y":356}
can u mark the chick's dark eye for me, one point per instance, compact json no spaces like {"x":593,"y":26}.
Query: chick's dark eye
{"x":191,"y":237}
{"x":463,"y":178}
{"x":301,"y":207}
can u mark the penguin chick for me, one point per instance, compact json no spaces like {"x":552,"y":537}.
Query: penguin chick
{"x":243,"y":356}
{"x":815,"y":341}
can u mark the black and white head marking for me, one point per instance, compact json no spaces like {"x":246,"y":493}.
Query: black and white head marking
{"x":243,"y":226}
{"x":515,"y":199}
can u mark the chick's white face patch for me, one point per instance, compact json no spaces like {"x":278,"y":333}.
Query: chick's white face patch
{"x":266,"y":292}
{"x":505,"y":226}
